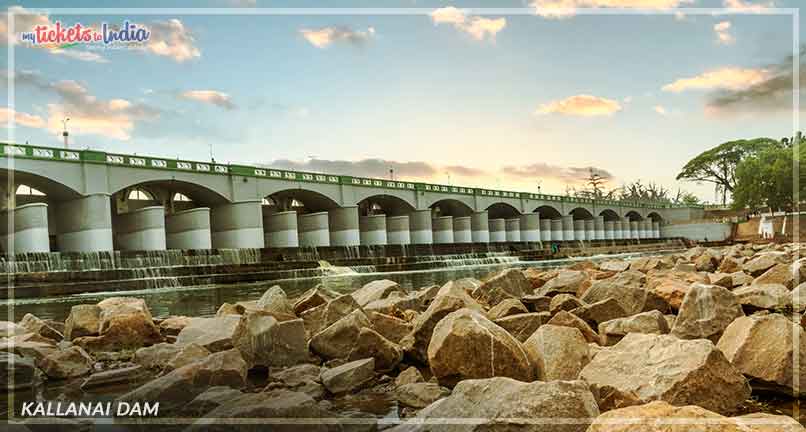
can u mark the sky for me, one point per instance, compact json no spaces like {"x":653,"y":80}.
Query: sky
{"x":443,"y":94}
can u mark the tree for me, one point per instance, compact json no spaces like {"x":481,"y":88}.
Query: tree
{"x":718,"y":165}
{"x":765,"y":179}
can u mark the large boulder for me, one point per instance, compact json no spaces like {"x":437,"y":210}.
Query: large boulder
{"x":614,"y":265}
{"x":70,"y":362}
{"x":646,"y":322}
{"x":600,"y":311}
{"x":370,"y":343}
{"x":510,"y":283}
{"x":310,"y":299}
{"x":275,"y":301}
{"x":157,"y":356}
{"x":84,"y":320}
{"x":466,"y":345}
{"x":557,"y":352}
{"x":568,"y":319}
{"x":420,"y":395}
{"x":761,"y":347}
{"x":392,"y":328}
{"x":764,"y":296}
{"x":33,"y":324}
{"x":567,"y":281}
{"x":125,"y":323}
{"x":504,"y":404}
{"x":337,"y":340}
{"x":505,"y":308}
{"x":521,"y":326}
{"x":646,"y":367}
{"x":375,"y":290}
{"x":215,"y":333}
{"x":566,"y":302}
{"x":265,"y":341}
{"x":394,"y":304}
{"x":320,"y":317}
{"x":783,"y":274}
{"x":627,"y":288}
{"x":706,"y":312}
{"x":349,"y":376}
{"x":760,"y":264}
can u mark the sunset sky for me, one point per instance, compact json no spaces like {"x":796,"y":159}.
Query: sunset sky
{"x":439,"y":94}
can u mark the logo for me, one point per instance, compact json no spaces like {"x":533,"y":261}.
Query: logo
{"x":58,"y":35}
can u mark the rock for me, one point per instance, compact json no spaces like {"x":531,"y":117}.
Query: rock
{"x":466,"y":345}
{"x":337,"y":340}
{"x":706,"y":312}
{"x":310,"y":299}
{"x":24,"y":345}
{"x":349,"y":376}
{"x":394,"y":304}
{"x":600,"y":311}
{"x":685,"y":267}
{"x":188,"y":354}
{"x":426,"y":294}
{"x":566,"y":302}
{"x":320,"y":317}
{"x":761,"y":346}
{"x":84,"y":320}
{"x":536,"y":303}
{"x":210,"y":399}
{"x":111,"y":377}
{"x":453,"y":298}
{"x":173,"y":325}
{"x":764,"y":296}
{"x":627,"y":289}
{"x":230,"y":309}
{"x":763,"y":422}
{"x":275,"y":301}
{"x":521,"y":326}
{"x":390,"y":327}
{"x":725,"y":280}
{"x":295,"y":376}
{"x":567,"y":281}
{"x":35,"y":325}
{"x":505,"y":308}
{"x":510,"y":283}
{"x":459,"y":286}
{"x":614,"y":265}
{"x":730,"y":264}
{"x":370,"y":343}
{"x":538,"y":277}
{"x":557,"y":352}
{"x":652,"y":322}
{"x":421,"y":394}
{"x":568,"y":319}
{"x":660,"y":416}
{"x":779,"y":274}
{"x":758,"y":265}
{"x":799,"y":297}
{"x":409,"y":376}
{"x":375,"y":290}
{"x":125,"y":323}
{"x":71,"y":362}
{"x":22,"y":370}
{"x":180,"y":386}
{"x":706,"y":263}
{"x":156,"y":356}
{"x":741,"y":278}
{"x":646,"y":367}
{"x":504,"y":404}
{"x":215,"y":334}
{"x":645,"y":265}
{"x":265,"y":341}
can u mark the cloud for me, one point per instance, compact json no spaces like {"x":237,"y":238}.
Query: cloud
{"x":325,"y":36}
{"x":113,"y":118}
{"x":581,"y":105}
{"x":212,"y":97}
{"x":748,"y":6}
{"x":723,"y":35}
{"x":79,"y":55}
{"x":8,"y":115}
{"x":731,"y":78}
{"x":567,"y":8}
{"x":545,"y":171}
{"x":478,"y":28}
{"x":660,"y":110}
{"x":171,"y":39}
{"x":363,"y":168}
{"x":770,"y":94}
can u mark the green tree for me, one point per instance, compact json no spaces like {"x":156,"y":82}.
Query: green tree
{"x":765,"y":179}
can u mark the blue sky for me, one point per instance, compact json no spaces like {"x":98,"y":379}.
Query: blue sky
{"x":495,"y":101}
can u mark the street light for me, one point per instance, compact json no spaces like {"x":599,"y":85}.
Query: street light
{"x":64,"y":130}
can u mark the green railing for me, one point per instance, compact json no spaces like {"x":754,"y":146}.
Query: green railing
{"x":150,"y":162}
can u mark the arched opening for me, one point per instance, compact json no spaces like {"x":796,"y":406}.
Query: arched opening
{"x":450,"y":207}
{"x":301,"y":200}
{"x":172,"y":194}
{"x":655,"y":217}
{"x":384,"y":204}
{"x":548,"y":212}
{"x":502,"y":211}
{"x":609,"y":215}
{"x":633,"y":216}
{"x":580,"y":213}
{"x":25,"y":194}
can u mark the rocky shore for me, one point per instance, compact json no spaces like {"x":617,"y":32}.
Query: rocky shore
{"x":653,"y":344}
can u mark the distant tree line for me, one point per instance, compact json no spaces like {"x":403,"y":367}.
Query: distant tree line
{"x":595,"y":186}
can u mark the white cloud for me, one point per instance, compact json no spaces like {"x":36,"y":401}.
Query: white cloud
{"x":8,"y":115}
{"x":326,"y":36}
{"x":660,"y":110}
{"x":581,"y":105}
{"x":478,"y":28}
{"x":749,"y":5}
{"x":723,"y":35}
{"x":567,"y":8}
{"x":212,"y":97}
{"x":172,"y":39}
{"x":729,"y":78}
{"x":80,"y":55}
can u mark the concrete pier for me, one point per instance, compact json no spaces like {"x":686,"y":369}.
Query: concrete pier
{"x":568,"y":228}
{"x":344,"y":229}
{"x":443,"y":230}
{"x":397,"y":230}
{"x":29,"y":229}
{"x":498,"y":230}
{"x":372,"y":229}
{"x":621,"y":229}
{"x":85,"y":224}
{"x":480,"y":227}
{"x":590,"y":230}
{"x":655,"y":229}
{"x":610,"y":230}
{"x":420,"y":227}
{"x":545,"y":230}
{"x":579,"y":230}
{"x":314,"y":229}
{"x":634,"y":229}
{"x":281,"y":229}
{"x":237,"y":226}
{"x":141,"y":229}
{"x":513,"y":227}
{"x":599,"y":228}
{"x":188,"y":229}
{"x":557,"y":233}
{"x":461,"y":230}
{"x":530,"y":227}
{"x":643,"y":232}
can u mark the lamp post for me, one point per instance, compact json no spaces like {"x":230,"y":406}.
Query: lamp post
{"x":64,"y":130}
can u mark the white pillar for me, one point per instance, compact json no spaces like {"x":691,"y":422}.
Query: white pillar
{"x":513,"y":229}
{"x":85,"y":224}
{"x":579,"y":230}
{"x":656,"y":230}
{"x":29,"y":230}
{"x":546,"y":230}
{"x":142,"y":229}
{"x":479,"y":226}
{"x":599,"y":228}
{"x":397,"y":230}
{"x":189,"y":229}
{"x":498,"y":230}
{"x":557,"y":232}
{"x":443,"y":230}
{"x":420,"y":227}
{"x":372,"y":230}
{"x":610,"y":230}
{"x":343,"y":223}
{"x":568,"y":228}
{"x":314,"y":229}
{"x":461,"y":230}
{"x":282,"y":229}
{"x":530,"y":227}
{"x":237,"y":226}
{"x":634,"y":229}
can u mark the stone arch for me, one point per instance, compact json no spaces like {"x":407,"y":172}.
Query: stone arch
{"x":208,"y":190}
{"x":548,"y":212}
{"x":633,"y":215}
{"x":502,"y":210}
{"x":311,"y":201}
{"x":655,"y":217}
{"x":389,"y":205}
{"x":52,"y":189}
{"x":581,"y":213}
{"x":609,"y":215}
{"x":451,"y":207}
{"x":164,"y":190}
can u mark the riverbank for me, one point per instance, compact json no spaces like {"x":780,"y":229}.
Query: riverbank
{"x":703,"y":334}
